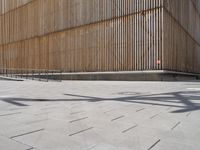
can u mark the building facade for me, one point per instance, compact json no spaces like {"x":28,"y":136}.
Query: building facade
{"x":100,"y":35}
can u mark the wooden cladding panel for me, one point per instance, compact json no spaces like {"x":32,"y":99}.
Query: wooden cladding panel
{"x":41,"y":17}
{"x":182,"y":35}
{"x":100,"y":35}
{"x":181,"y":51}
{"x":187,"y":15}
{"x":131,"y":42}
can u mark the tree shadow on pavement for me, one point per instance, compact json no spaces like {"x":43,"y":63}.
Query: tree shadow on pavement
{"x":183,"y":101}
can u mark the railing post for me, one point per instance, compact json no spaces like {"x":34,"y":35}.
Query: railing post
{"x":60,"y":75}
{"x":39,"y":75}
{"x":32,"y":74}
{"x":52,"y":75}
{"x":47,"y":75}
{"x":27,"y":74}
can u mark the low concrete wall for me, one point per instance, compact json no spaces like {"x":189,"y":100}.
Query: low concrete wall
{"x":125,"y":76}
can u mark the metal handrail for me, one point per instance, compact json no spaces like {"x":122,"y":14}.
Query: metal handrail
{"x":33,"y":74}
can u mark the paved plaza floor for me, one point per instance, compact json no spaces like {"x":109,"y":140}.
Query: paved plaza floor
{"x":99,"y":115}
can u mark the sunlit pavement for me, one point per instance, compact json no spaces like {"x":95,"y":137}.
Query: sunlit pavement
{"x":99,"y":115}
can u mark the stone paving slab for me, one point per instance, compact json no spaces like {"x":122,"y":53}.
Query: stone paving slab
{"x":93,"y":115}
{"x":9,"y":144}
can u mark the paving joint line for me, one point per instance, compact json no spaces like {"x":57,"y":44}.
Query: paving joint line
{"x":169,"y":108}
{"x":124,"y":131}
{"x":154,"y":116}
{"x":13,"y":137}
{"x":188,"y":114}
{"x":140,"y":110}
{"x":92,"y":147}
{"x":78,"y":112}
{"x":118,"y":118}
{"x":81,"y":131}
{"x":154,"y":144}
{"x":31,"y":147}
{"x":80,"y":119}
{"x":175,"y":125}
{"x":9,"y":114}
